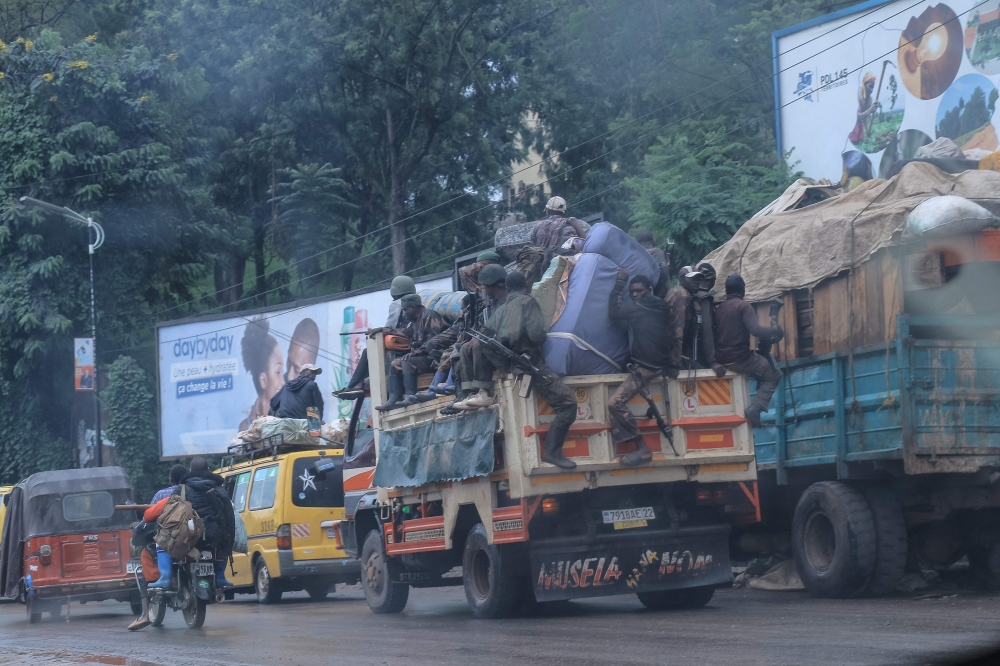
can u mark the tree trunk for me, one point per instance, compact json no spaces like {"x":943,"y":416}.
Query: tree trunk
{"x":397,"y":229}
{"x":230,"y":271}
{"x":258,"y":259}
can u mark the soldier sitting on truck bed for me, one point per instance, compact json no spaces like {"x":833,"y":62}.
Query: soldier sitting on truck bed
{"x":735,"y":322}
{"x":648,"y":320}
{"x":401,"y":286}
{"x":422,"y":325}
{"x":518,"y":324}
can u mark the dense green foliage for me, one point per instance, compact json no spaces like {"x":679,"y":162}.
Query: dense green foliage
{"x":244,"y":153}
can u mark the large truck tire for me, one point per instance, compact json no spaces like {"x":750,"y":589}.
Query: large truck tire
{"x":890,"y":541}
{"x":984,"y":562}
{"x":690,"y":597}
{"x":382,"y":594}
{"x":490,"y":588}
{"x":833,"y":540}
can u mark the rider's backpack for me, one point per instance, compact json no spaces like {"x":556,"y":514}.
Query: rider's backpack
{"x":179,"y":527}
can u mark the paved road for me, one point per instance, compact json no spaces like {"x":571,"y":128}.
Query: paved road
{"x":739,"y":627}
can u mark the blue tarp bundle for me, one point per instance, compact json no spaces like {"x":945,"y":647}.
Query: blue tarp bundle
{"x":446,"y":450}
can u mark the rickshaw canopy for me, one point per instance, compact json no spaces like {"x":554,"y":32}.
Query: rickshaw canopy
{"x":75,"y":500}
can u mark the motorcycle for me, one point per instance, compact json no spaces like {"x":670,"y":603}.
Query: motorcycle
{"x":192,"y":589}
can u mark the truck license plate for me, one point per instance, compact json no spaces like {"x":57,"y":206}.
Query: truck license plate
{"x":133,"y":567}
{"x":624,"y":519}
{"x":203,"y":569}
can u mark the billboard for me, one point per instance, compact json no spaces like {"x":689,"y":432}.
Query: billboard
{"x":83,"y":364}
{"x":863,"y":88}
{"x":216,"y":375}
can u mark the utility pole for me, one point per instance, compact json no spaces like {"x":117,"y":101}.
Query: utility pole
{"x":95,"y":236}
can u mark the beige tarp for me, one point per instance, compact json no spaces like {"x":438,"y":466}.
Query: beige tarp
{"x":797,"y":249}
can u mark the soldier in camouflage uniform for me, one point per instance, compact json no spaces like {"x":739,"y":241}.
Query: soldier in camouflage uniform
{"x":421,"y":327}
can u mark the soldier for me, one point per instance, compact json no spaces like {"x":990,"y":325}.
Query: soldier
{"x":686,"y":315}
{"x":422,"y":325}
{"x":645,"y":239}
{"x":736,"y":321}
{"x":518,"y":324}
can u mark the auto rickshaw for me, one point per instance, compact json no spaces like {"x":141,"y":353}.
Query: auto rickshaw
{"x":63,"y":540}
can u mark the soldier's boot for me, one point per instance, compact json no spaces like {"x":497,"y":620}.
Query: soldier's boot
{"x":554,"y":441}
{"x":431,"y":391}
{"x":395,"y":393}
{"x":410,"y":389}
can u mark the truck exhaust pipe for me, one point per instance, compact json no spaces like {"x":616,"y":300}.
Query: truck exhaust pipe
{"x":220,"y":596}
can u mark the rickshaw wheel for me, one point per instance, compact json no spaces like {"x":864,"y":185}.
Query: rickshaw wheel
{"x":194,"y":614}
{"x":157,"y":611}
{"x":34,"y":614}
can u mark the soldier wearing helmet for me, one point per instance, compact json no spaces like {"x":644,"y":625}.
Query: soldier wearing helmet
{"x":691,"y":304}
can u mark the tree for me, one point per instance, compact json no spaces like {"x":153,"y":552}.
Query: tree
{"x":975,"y":114}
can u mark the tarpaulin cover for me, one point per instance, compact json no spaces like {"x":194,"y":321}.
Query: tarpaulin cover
{"x":446,"y":450}
{"x":292,"y":431}
{"x":11,"y":544}
{"x":586,"y":316}
{"x":797,"y":249}
{"x":608,"y":240}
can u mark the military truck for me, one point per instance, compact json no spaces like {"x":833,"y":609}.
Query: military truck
{"x":465,"y":500}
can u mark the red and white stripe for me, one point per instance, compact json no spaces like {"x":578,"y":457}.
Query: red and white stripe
{"x":300,"y":530}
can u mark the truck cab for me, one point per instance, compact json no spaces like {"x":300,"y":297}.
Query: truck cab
{"x":466,"y":500}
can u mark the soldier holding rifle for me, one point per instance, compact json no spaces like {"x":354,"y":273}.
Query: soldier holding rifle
{"x":517,"y":328}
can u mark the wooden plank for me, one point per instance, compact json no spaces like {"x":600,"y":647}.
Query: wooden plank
{"x":788,"y":348}
{"x":821,"y":318}
{"x":892,"y":291}
{"x":874,"y":318}
{"x":839,"y":313}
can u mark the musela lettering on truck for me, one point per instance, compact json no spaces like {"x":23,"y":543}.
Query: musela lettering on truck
{"x":203,"y":346}
{"x":578,"y":573}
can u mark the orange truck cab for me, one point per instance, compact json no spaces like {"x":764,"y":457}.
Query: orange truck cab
{"x":64,"y":540}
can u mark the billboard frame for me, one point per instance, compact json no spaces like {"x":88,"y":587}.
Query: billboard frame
{"x":777,"y":34}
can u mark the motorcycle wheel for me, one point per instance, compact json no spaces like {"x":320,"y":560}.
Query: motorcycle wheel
{"x":157,"y":611}
{"x":194,"y":613}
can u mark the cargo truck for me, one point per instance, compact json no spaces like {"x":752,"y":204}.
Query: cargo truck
{"x":465,"y":500}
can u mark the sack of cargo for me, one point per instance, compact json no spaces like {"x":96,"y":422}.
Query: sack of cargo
{"x":240,"y":544}
{"x":179,"y":527}
{"x":293,"y":431}
{"x":609,"y":241}
{"x":253,"y":433}
{"x":546,"y":290}
{"x":335,"y":431}
{"x":948,"y":215}
{"x":584,"y":340}
{"x":448,"y":304}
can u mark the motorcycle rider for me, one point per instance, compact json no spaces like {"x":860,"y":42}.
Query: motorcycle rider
{"x":163,"y":562}
{"x":208,"y":497}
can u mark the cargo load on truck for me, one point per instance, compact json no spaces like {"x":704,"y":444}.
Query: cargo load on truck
{"x":883,"y":442}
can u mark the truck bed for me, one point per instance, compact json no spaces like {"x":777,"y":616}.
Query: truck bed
{"x":925,"y":399}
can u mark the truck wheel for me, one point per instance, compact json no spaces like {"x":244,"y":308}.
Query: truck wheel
{"x":266,"y":587}
{"x":984,"y":562}
{"x":492,"y":592}
{"x":383,"y":595}
{"x":833,"y":540}
{"x":890,"y":542}
{"x":689,"y":597}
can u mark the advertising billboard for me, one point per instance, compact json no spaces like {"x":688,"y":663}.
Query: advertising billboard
{"x":862,"y":89}
{"x":216,"y":375}
{"x":83,"y":364}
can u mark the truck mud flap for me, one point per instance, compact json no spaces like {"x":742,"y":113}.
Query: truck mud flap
{"x":642,"y":561}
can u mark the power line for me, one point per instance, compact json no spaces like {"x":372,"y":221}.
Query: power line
{"x":554,"y":177}
{"x":495,"y":182}
{"x":294,"y":309}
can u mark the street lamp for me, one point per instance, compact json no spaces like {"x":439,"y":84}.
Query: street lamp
{"x":95,"y":235}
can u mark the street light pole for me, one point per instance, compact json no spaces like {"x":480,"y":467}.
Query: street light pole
{"x":95,"y":236}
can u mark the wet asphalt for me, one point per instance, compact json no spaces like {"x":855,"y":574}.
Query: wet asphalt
{"x":739,"y":626}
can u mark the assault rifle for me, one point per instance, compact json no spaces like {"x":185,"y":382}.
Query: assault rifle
{"x":520,"y":361}
{"x":653,"y":410}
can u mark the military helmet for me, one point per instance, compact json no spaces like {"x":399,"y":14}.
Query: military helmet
{"x":401,"y":286}
{"x":492,"y":275}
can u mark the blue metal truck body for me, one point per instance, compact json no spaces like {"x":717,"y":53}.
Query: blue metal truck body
{"x":928,"y":400}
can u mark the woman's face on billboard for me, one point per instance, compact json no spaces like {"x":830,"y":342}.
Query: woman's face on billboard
{"x":271,"y":380}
